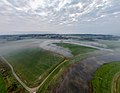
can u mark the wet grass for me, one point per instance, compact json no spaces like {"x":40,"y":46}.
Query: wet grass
{"x":31,"y":63}
{"x":55,"y":78}
{"x":2,"y":85}
{"x":103,"y":77}
{"x":76,"y":49}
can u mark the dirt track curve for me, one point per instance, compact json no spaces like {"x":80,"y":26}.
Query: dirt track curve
{"x":116,"y":84}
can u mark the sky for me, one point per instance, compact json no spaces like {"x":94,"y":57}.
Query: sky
{"x":60,"y":16}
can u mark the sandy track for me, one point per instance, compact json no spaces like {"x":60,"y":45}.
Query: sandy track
{"x":23,"y":44}
{"x":115,"y":84}
{"x":88,"y":66}
{"x":31,"y":90}
{"x":35,"y":89}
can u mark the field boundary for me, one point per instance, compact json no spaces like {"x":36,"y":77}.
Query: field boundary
{"x":35,"y":89}
{"x":115,"y":83}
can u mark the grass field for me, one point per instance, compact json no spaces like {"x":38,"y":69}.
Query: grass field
{"x":76,"y":49}
{"x":52,"y":78}
{"x":8,"y":83}
{"x":2,"y":85}
{"x":31,"y":63}
{"x":55,"y":78}
{"x":102,"y":81}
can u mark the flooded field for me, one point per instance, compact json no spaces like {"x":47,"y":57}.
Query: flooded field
{"x":78,"y":78}
{"x":79,"y":74}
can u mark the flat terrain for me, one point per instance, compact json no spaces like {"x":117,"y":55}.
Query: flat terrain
{"x":58,"y":66}
{"x":2,"y":85}
{"x":32,"y":62}
{"x":104,"y":78}
{"x":114,"y":45}
{"x":8,"y":83}
{"x":76,"y":49}
{"x":79,"y":76}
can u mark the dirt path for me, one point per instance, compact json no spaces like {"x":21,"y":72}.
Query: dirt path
{"x":86,"y":65}
{"x":115,"y":87}
{"x":35,"y":89}
{"x":31,"y":90}
{"x":51,"y":73}
{"x":79,"y":76}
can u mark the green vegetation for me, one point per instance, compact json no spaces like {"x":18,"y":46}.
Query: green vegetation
{"x":33,"y":62}
{"x":54,"y":77}
{"x":119,"y":86}
{"x":76,"y":49}
{"x":102,"y":81}
{"x":2,"y":85}
{"x":51,"y":79}
{"x":8,"y":83}
{"x":36,"y":66}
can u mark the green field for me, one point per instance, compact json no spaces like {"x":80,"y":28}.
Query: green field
{"x":76,"y":49}
{"x":54,"y":79}
{"x":2,"y":85}
{"x":8,"y":83}
{"x":31,"y":63}
{"x":102,"y":81}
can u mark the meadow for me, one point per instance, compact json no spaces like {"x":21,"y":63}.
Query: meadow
{"x":31,"y":63}
{"x":103,"y":79}
{"x":76,"y":49}
{"x":55,"y":77}
{"x":8,"y":83}
{"x":2,"y":85}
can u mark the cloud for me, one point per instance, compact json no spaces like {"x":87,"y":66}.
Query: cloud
{"x":61,"y":11}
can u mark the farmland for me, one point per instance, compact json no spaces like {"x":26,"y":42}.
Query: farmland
{"x":55,"y":77}
{"x":103,"y":80}
{"x":76,"y":49}
{"x":8,"y":83}
{"x":54,"y":66}
{"x":31,"y":63}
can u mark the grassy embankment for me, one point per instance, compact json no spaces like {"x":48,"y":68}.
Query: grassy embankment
{"x":32,"y":64}
{"x":8,"y":83}
{"x":76,"y":49}
{"x":103,"y":80}
{"x":54,"y":78}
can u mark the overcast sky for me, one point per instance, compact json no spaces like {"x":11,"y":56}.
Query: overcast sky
{"x":60,"y":16}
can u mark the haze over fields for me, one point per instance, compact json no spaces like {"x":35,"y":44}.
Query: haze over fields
{"x":59,"y":16}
